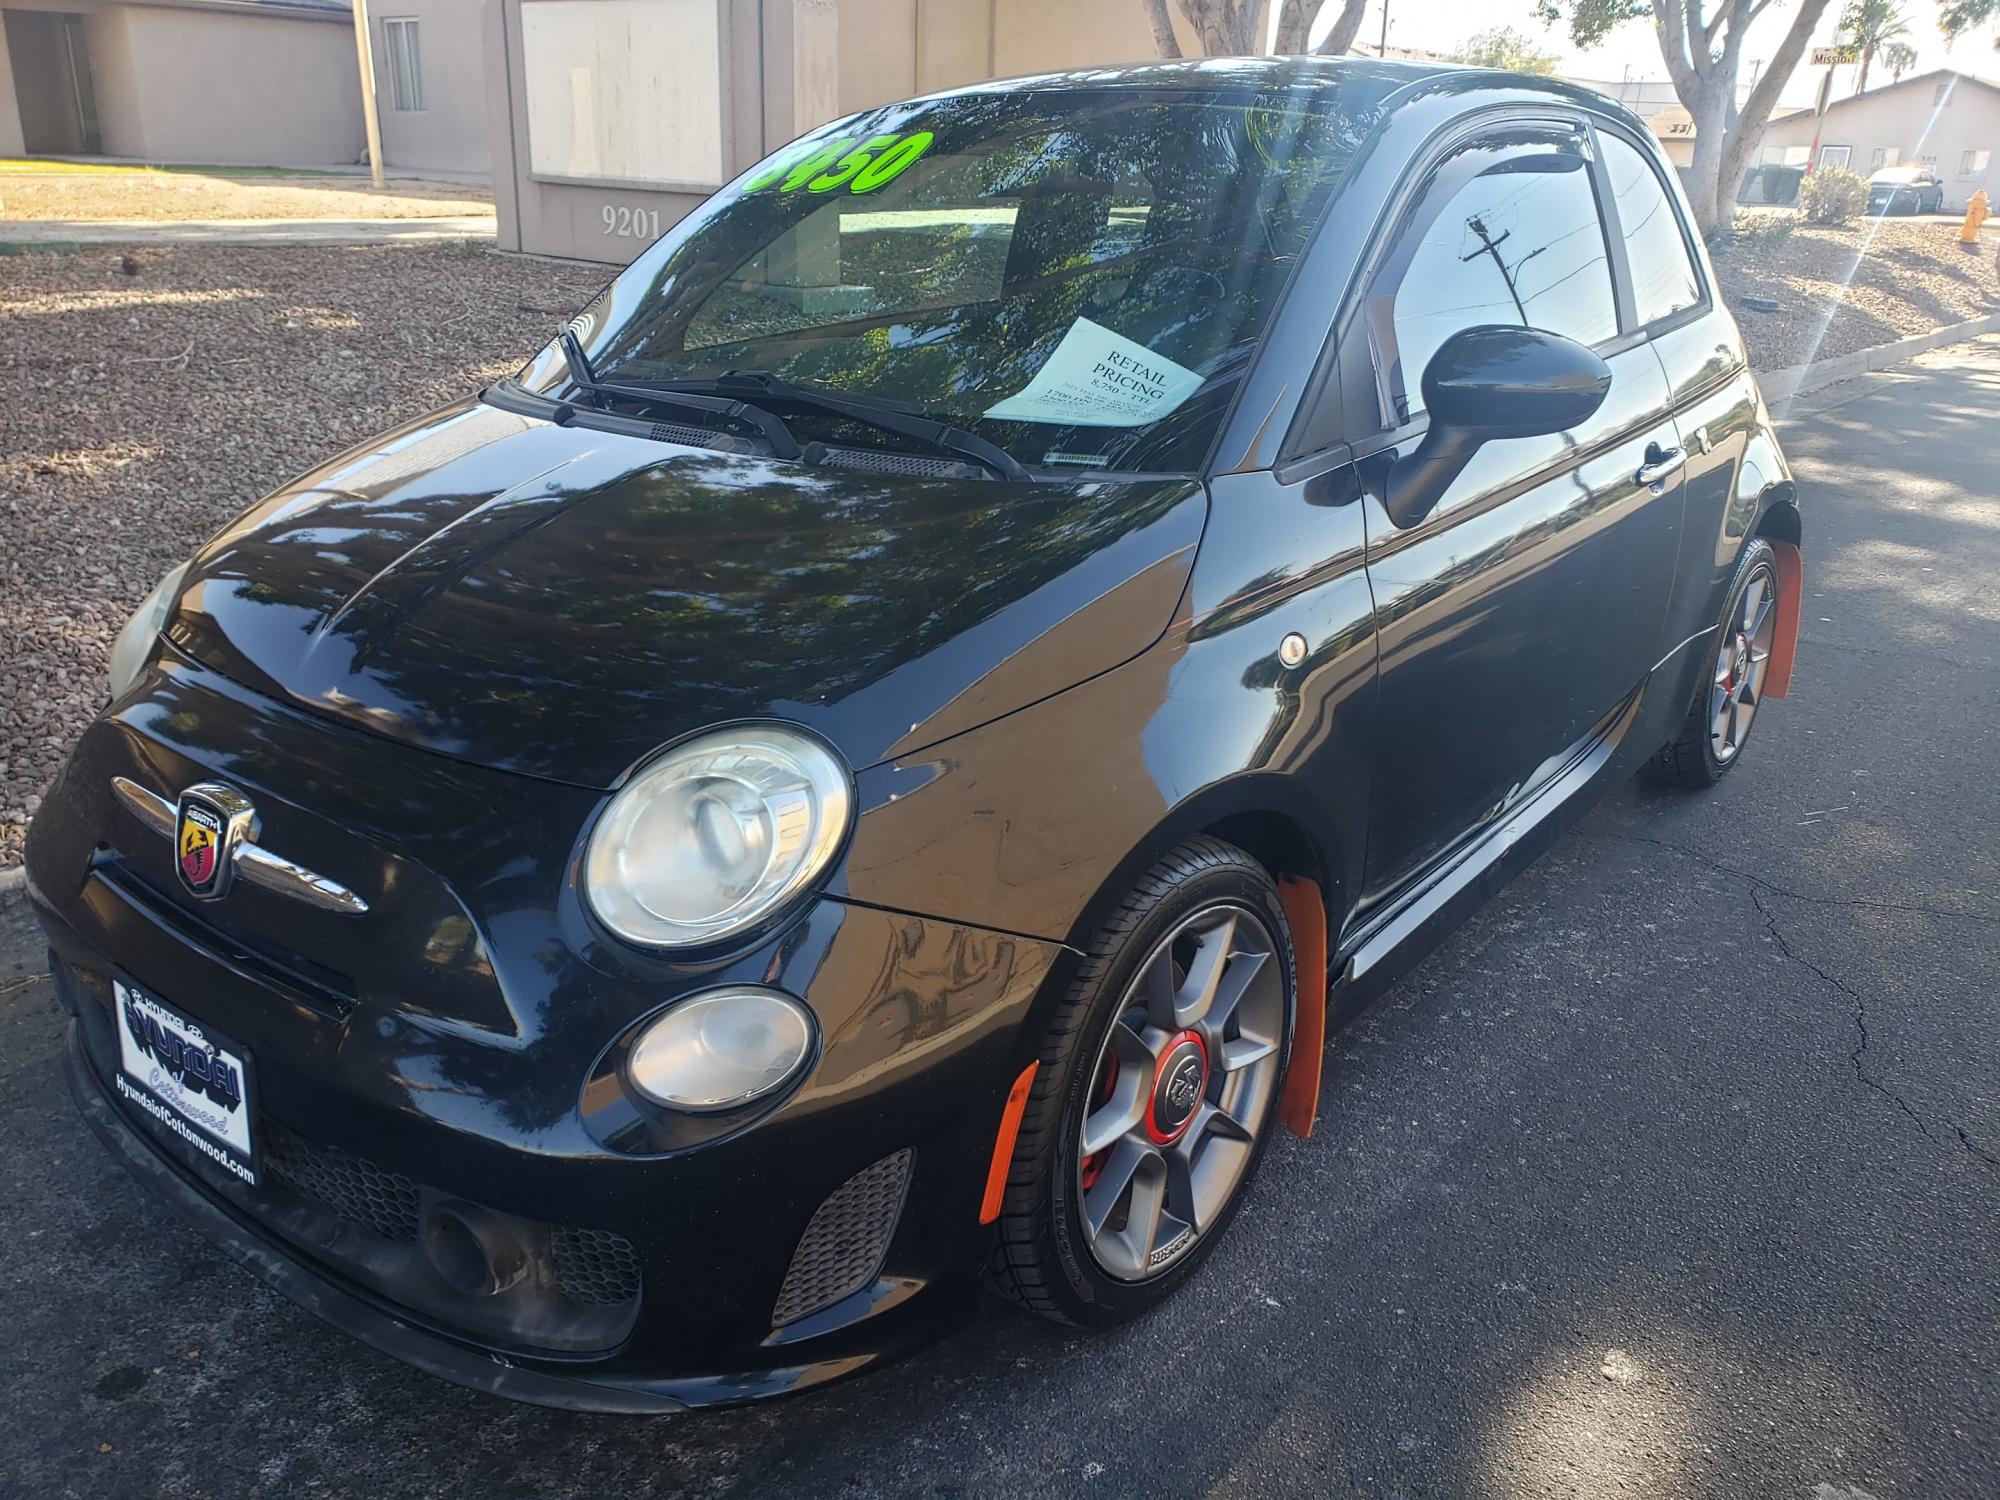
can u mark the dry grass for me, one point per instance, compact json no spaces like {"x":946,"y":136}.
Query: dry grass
{"x":155,"y":196}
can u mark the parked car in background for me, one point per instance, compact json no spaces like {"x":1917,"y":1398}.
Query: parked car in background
{"x":865,"y":766}
{"x":1907,"y":190}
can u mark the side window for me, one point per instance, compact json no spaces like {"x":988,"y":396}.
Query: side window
{"x":1518,"y":243}
{"x":1663,"y":276}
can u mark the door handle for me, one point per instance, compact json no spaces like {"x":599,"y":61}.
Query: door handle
{"x":1658,"y":465}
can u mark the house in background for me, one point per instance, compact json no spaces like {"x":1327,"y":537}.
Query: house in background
{"x":430,"y":84}
{"x":242,"y":82}
{"x":270,"y":82}
{"x":1949,"y":122}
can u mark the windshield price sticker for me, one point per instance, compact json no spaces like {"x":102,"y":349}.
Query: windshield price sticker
{"x":1097,"y":378}
{"x":859,"y":166}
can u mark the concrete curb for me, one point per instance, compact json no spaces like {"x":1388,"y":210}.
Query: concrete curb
{"x":1780,"y":386}
{"x":26,"y":236}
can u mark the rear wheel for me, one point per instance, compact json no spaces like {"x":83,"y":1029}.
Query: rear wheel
{"x":1156,"y":1095}
{"x":1719,"y":721}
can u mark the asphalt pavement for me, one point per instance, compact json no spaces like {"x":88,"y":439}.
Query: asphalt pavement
{"x":1676,"y":1171}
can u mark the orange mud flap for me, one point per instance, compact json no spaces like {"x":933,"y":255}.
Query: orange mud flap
{"x":1003,"y":1144}
{"x":1791,"y":599}
{"x":1305,"y":910}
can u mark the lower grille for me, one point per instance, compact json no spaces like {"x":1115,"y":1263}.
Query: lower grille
{"x":355,"y":1189}
{"x":843,"y":1247}
{"x":595,"y":1265}
{"x":591,"y":1265}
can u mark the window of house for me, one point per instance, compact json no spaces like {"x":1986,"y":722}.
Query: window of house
{"x":1941,"y":95}
{"x":1663,"y":276}
{"x":1519,"y":243}
{"x":1972,"y":163}
{"x":1785,"y":156}
{"x":1835,"y":156}
{"x":404,"y":59}
{"x":1882,"y":156}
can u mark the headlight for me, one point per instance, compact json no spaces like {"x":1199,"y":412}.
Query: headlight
{"x":716,"y":835}
{"x":721,"y":1049}
{"x":135,"y":642}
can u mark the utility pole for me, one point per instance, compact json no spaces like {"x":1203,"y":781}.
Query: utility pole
{"x":371,"y":117}
{"x":1382,"y":48}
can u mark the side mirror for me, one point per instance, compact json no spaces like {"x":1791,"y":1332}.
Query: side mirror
{"x":1486,"y":383}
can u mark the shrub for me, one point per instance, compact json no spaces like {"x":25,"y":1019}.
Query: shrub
{"x":1832,"y":196}
{"x":1764,"y":229}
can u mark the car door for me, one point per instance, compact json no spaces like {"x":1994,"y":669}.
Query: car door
{"x":1521,"y":612}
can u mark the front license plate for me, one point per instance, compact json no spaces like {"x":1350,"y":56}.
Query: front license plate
{"x":190,"y":1078}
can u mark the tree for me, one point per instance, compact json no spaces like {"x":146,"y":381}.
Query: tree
{"x":1702,"y":42}
{"x":1235,"y":28}
{"x":1875,"y":26}
{"x":1504,"y":47}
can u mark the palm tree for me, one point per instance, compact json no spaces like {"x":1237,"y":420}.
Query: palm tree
{"x":1877,"y":26}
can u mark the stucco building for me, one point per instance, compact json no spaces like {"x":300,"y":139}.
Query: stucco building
{"x":1947,"y":121}
{"x":257,"y":82}
{"x":612,"y":118}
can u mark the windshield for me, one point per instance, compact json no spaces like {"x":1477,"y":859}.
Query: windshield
{"x":1077,"y":274}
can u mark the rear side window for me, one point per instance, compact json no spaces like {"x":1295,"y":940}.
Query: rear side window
{"x":1663,"y":275}
{"x":1520,"y":243}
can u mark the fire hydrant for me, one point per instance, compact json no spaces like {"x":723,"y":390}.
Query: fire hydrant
{"x":1977,"y":212}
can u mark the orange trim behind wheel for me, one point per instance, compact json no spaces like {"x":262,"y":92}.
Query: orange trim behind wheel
{"x":1791,"y":598}
{"x":1003,"y":1144}
{"x":1305,"y":910}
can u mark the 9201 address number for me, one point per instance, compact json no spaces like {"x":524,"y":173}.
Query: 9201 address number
{"x":631,"y":223}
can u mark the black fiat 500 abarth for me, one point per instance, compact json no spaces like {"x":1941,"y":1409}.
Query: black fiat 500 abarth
{"x":862,"y":769}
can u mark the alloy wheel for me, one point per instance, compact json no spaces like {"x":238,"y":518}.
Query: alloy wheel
{"x":1184,"y":1082}
{"x":1740,"y":665}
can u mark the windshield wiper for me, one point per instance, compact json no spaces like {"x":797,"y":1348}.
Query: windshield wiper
{"x":884,"y":417}
{"x":670,"y":394}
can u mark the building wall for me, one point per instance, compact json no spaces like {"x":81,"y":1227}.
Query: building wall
{"x":12,"y":142}
{"x":210,"y":86}
{"x":44,"y":93}
{"x":1905,"y":121}
{"x":449,"y":134}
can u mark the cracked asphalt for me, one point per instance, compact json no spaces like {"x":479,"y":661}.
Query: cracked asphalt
{"x":1676,"y":1171}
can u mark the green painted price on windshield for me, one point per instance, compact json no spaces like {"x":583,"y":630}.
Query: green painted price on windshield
{"x":859,"y":166}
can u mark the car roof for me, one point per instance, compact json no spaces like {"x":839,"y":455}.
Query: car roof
{"x":1394,"y":80}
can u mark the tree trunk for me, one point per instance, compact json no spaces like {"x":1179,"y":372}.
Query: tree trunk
{"x":1861,"y":78}
{"x":1746,"y":127}
{"x":1164,"y":41}
{"x":1346,"y":26}
{"x":1295,"y":21}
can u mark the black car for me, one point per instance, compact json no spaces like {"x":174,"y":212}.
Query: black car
{"x":1908,"y":190}
{"x":866,"y":766}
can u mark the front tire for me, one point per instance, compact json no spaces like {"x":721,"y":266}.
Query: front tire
{"x":1717,"y":727}
{"x":1156,"y":1095}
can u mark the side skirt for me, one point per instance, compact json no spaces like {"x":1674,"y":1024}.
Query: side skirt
{"x":1394,"y":943}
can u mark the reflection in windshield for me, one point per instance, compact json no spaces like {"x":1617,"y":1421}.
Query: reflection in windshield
{"x":946,"y":254}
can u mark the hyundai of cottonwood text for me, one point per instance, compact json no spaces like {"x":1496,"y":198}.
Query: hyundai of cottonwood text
{"x":864,"y":768}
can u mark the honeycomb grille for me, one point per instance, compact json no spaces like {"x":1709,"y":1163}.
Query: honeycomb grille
{"x":843,"y":1247}
{"x":356,"y":1190}
{"x":595,"y":1265}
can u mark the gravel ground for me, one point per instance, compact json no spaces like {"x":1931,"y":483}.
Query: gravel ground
{"x":1880,"y":279}
{"x":146,"y":195}
{"x":143,"y":411}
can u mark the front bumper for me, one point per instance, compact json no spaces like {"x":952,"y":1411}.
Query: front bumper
{"x":485,"y":1087}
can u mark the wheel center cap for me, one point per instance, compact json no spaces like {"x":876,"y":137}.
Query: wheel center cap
{"x":1178,"y":1084}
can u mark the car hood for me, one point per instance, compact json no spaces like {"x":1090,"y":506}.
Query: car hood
{"x":561,"y":602}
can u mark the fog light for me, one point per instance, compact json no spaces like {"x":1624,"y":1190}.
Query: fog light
{"x":721,"y":1049}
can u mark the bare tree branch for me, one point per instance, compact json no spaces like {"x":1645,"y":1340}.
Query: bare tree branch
{"x":1346,"y":26}
{"x":1164,"y":40}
